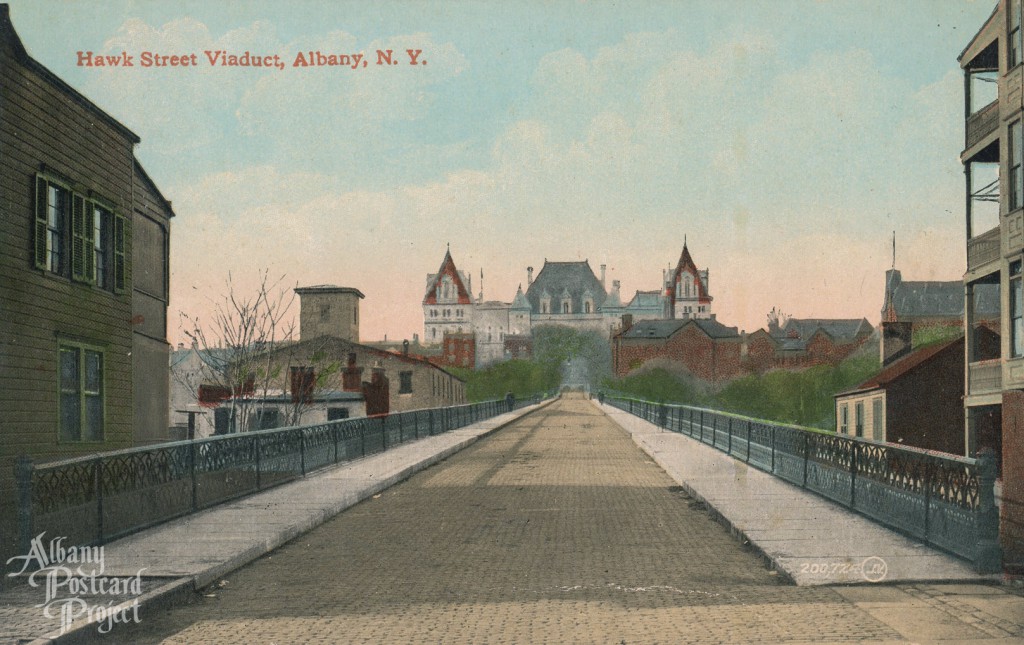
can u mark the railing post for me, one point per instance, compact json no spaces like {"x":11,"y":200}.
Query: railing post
{"x":928,"y":470}
{"x":98,"y":475}
{"x":259,"y":468}
{"x":336,"y":432}
{"x":23,"y":477}
{"x":729,"y":451}
{"x":384,"y":432}
{"x":988,"y":556}
{"x":807,"y":454}
{"x":302,"y":451}
{"x":853,"y":474}
{"x":748,"y":441}
{"x":773,"y":446}
{"x":714,"y":430}
{"x":362,"y":438}
{"x":193,"y":457}
{"x":702,"y":426}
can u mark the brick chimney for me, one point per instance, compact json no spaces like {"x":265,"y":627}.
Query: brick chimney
{"x":627,"y":322}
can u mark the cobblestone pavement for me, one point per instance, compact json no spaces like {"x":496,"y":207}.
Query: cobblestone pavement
{"x":556,"y":529}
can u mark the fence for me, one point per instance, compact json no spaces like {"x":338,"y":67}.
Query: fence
{"x":95,"y":499}
{"x":944,"y":500}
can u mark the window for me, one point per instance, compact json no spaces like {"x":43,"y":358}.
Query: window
{"x":1016,"y":177}
{"x":876,"y":420}
{"x":1015,"y":34}
{"x":222,"y":421}
{"x":1016,"y":311}
{"x":266,"y":419}
{"x":859,"y":418}
{"x":844,"y":419}
{"x":565,"y":307}
{"x":336,"y":414}
{"x":405,"y":382}
{"x":81,"y":393}
{"x":586,"y":307}
{"x":78,"y":238}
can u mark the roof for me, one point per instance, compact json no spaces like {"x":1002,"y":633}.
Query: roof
{"x":156,"y":191}
{"x":573,"y":278}
{"x":22,"y":54}
{"x":687,"y":264}
{"x":663,"y":329}
{"x":646,"y":300}
{"x":905,"y":365}
{"x":933,"y":299}
{"x":980,"y":38}
{"x":520,"y":301}
{"x":328,"y":288}
{"x":447,"y":268}
{"x":840,"y":329}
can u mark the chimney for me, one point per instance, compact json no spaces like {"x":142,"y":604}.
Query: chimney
{"x":603,"y":267}
{"x":896,"y":341}
{"x":627,"y":322}
{"x":405,"y":348}
{"x":529,"y":276}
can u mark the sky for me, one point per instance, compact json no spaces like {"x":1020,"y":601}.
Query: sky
{"x":785,"y":141}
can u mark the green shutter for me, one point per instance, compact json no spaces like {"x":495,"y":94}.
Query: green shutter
{"x":119,"y":245}
{"x":40,"y":224}
{"x":89,"y":239}
{"x":77,"y":238}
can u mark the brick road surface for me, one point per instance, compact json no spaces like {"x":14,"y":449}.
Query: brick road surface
{"x":557,"y":529}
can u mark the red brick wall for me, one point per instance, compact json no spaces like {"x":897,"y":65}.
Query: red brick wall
{"x":1011,"y":524}
{"x":705,"y":358}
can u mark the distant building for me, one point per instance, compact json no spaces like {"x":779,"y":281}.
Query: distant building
{"x":686,"y":290}
{"x":705,"y":347}
{"x":330,"y":310}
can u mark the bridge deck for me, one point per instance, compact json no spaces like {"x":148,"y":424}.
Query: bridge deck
{"x":556,"y":528}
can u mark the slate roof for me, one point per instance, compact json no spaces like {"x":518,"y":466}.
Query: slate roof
{"x":933,"y":299}
{"x":520,"y":301}
{"x":648,"y":300}
{"x":839,"y":329}
{"x":559,"y":277}
{"x":662,"y":329}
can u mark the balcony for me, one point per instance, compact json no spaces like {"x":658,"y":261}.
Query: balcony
{"x":985,"y":377}
{"x":982,"y":123}
{"x":983,"y":249}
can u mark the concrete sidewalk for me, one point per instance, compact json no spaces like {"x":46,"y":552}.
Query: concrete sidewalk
{"x":182,"y":556}
{"x":807,"y":538}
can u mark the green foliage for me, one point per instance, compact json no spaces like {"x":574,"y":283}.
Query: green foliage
{"x":799,"y":397}
{"x":554,"y":346}
{"x":929,"y":335}
{"x":656,"y":385}
{"x":522,"y":378}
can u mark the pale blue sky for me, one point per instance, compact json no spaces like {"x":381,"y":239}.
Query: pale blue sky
{"x":785,"y":139}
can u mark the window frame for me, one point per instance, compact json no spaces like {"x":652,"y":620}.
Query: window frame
{"x":844,"y":418}
{"x":405,"y":382}
{"x":1016,"y":310}
{"x":1014,"y":52}
{"x":81,"y":391}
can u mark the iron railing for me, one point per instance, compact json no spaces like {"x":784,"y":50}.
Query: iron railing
{"x":944,"y":500}
{"x":98,"y":498}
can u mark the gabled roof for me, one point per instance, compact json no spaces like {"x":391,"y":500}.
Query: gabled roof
{"x":934,"y":299}
{"x":662,"y":329}
{"x":573,"y":278}
{"x":687,"y":264}
{"x":839,"y":329}
{"x":907,"y":364}
{"x":646,"y":300}
{"x":447,"y":269}
{"x":142,"y":174}
{"x":12,"y":38}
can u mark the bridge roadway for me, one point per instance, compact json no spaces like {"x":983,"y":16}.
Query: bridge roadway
{"x":555,"y":529}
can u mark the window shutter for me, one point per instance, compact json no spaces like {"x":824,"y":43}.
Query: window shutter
{"x":78,"y":238}
{"x":90,"y":243}
{"x":119,"y":245}
{"x":40,"y":224}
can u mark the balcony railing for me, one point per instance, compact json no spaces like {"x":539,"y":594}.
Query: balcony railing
{"x":983,"y":249}
{"x":982,"y":123}
{"x":985,"y":377}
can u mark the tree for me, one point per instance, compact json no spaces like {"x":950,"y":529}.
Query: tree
{"x":235,"y":361}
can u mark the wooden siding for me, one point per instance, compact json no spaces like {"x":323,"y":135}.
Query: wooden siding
{"x":42,"y":126}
